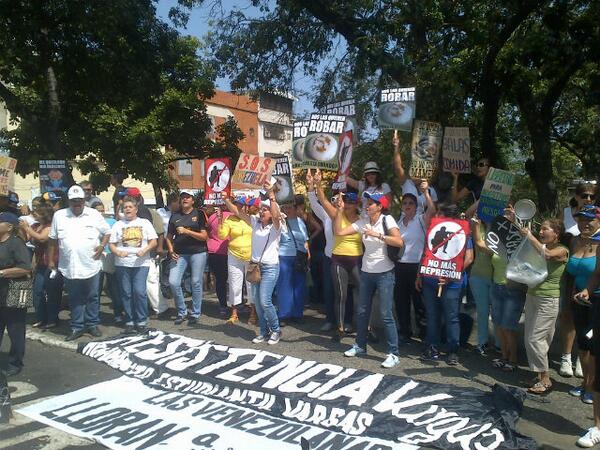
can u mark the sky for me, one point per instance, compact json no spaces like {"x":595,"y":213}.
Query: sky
{"x":198,"y":26}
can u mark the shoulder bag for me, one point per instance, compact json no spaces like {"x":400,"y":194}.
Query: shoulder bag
{"x":253,"y":274}
{"x":20,"y":293}
{"x":301,"y":261}
{"x":394,"y":253}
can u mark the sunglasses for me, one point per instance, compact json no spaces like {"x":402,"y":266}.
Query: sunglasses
{"x":587,"y":196}
{"x":482,"y":164}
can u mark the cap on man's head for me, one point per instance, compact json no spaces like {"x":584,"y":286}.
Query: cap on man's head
{"x":252,"y":201}
{"x":378,"y":198}
{"x":133,"y":192}
{"x":75,"y":192}
{"x":184,"y":192}
{"x":372,"y":167}
{"x":50,"y":196}
{"x":588,"y":211}
{"x":9,"y":217}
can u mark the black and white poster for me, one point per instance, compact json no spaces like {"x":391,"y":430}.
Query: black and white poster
{"x":55,"y":175}
{"x":503,"y":237}
{"x":284,"y":187}
{"x":189,"y":393}
{"x":397,"y":108}
{"x":299,"y":137}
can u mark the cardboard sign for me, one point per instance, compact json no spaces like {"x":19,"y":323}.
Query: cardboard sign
{"x":55,"y":175}
{"x":425,"y":149}
{"x":344,"y":108}
{"x":503,"y":237}
{"x":298,"y":139}
{"x":397,"y":108}
{"x":217,"y":179}
{"x":444,"y":254}
{"x":252,"y":171}
{"x":345,"y":161}
{"x":319,"y":149}
{"x":7,"y":174}
{"x":284,"y":187}
{"x":495,"y":194}
{"x":456,"y":150}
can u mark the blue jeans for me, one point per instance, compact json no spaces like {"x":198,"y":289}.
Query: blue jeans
{"x":197,"y":263}
{"x":47,"y":294}
{"x":481,"y":288}
{"x":132,"y":281}
{"x":448,"y":304}
{"x":262,"y":293}
{"x":384,"y":284}
{"x":291,"y":289}
{"x":507,"y":306}
{"x":84,"y":302}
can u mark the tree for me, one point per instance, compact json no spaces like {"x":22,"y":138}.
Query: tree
{"x":106,"y":83}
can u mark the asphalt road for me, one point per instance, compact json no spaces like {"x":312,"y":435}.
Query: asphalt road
{"x":554,"y":421}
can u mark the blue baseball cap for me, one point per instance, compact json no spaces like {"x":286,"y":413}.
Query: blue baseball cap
{"x":50,"y":196}
{"x":588,"y":211}
{"x":378,"y":198}
{"x":9,"y":217}
{"x":351,"y":197}
{"x":240,"y":199}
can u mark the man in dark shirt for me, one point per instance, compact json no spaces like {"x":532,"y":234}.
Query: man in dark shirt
{"x":186,"y":241}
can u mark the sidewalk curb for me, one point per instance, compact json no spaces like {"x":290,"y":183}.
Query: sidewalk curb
{"x":50,"y":339}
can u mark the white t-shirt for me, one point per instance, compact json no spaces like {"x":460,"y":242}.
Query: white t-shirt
{"x":260,"y":236}
{"x":375,"y":258}
{"x":165,"y":215}
{"x":78,"y":237}
{"x":414,"y":238}
{"x":409,"y":187}
{"x":570,"y":222}
{"x":131,"y":237}
{"x":383,"y":189}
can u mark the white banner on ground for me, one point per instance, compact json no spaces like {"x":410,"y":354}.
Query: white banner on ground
{"x":126,"y":414}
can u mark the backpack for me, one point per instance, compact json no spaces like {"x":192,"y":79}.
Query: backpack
{"x":394,"y":253}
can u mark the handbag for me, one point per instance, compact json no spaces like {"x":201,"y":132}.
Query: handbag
{"x":301,"y":261}
{"x":20,"y":293}
{"x":253,"y":274}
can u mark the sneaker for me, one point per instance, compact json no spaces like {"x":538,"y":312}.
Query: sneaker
{"x":481,"y":350}
{"x":94,"y":331}
{"x":128,"y":330}
{"x":275,"y":337}
{"x":391,"y":361}
{"x":587,"y":398}
{"x":576,"y":391}
{"x":578,"y":370}
{"x":355,"y":350}
{"x":452,"y":359}
{"x":192,"y":320}
{"x":431,"y":354}
{"x":142,"y":329}
{"x":589,"y":439}
{"x":566,"y":367}
{"x":179,"y":320}
{"x":259,"y":339}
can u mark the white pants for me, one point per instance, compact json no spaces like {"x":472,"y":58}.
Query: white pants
{"x":157,"y":301}
{"x":236,"y":275}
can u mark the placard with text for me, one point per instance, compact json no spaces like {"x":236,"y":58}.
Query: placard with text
{"x":425,"y":149}
{"x":495,"y":194}
{"x":397,"y":107}
{"x":446,"y":243}
{"x":252,"y":172}
{"x":217,"y":180}
{"x":456,"y":150}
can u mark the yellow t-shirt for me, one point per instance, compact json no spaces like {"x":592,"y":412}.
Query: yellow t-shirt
{"x":240,"y":237}
{"x":350,"y":245}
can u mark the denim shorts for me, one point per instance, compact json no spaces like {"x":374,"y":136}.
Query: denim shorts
{"x":507,"y":306}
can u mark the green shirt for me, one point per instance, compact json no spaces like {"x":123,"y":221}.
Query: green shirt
{"x":550,"y":287}
{"x":499,"y":264}
{"x":482,"y":266}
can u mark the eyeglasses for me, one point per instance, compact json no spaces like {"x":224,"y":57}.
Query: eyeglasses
{"x":482,"y":164}
{"x":587,"y":196}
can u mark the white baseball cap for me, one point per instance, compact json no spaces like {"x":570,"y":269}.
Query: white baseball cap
{"x":186,"y":192}
{"x":75,"y":192}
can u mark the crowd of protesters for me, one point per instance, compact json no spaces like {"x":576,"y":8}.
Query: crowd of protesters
{"x":360,"y":258}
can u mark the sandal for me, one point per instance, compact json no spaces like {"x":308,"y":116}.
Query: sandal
{"x":38,"y":325}
{"x":540,"y":388}
{"x":509,"y":367}
{"x":499,"y":363}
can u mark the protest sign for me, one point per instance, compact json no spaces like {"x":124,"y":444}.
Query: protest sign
{"x":298,"y":139}
{"x":55,"y":175}
{"x":7,"y":174}
{"x":503,"y":237}
{"x":252,"y":171}
{"x":182,"y":390}
{"x":495,"y":194}
{"x":425,"y":149}
{"x":216,"y":180}
{"x":397,"y":107}
{"x":345,"y":160}
{"x":284,"y":187}
{"x":444,"y":254}
{"x":320,"y":148}
{"x":456,"y":150}
{"x":343,"y":108}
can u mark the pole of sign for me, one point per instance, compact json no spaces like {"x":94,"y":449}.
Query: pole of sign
{"x":440,"y":288}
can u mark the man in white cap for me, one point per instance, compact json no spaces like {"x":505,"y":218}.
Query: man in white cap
{"x":80,"y":234}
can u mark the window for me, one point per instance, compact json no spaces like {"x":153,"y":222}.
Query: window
{"x":184,"y":168}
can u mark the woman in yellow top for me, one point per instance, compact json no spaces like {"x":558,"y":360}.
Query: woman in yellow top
{"x":239,"y":251}
{"x":346,"y":254}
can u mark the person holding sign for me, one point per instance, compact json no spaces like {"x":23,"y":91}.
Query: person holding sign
{"x":541,"y":306}
{"x":266,"y":234}
{"x":377,"y":273}
{"x":442,"y":295}
{"x":409,"y":186}
{"x":473,"y":187}
{"x":372,"y":183}
{"x":345,"y":255}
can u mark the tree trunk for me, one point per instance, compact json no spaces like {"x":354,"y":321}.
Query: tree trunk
{"x":543,"y":173}
{"x":491,"y":105}
{"x":158,"y":197}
